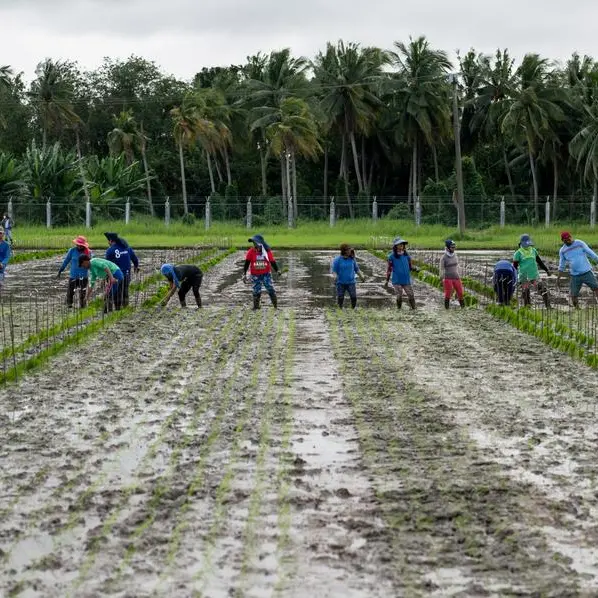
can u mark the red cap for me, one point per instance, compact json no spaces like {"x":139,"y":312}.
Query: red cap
{"x":565,"y":235}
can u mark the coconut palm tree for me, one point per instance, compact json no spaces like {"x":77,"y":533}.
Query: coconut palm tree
{"x":534,"y":112}
{"x":584,"y":146}
{"x":52,"y":93}
{"x":186,"y":119}
{"x":127,"y":137}
{"x":348,"y":79}
{"x":421,"y":98}
{"x":292,"y":131}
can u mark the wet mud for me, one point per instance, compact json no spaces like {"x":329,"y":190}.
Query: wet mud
{"x":301,"y":451}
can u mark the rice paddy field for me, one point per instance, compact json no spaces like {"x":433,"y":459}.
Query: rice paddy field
{"x":297,"y":452}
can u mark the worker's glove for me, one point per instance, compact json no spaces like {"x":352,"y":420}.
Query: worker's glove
{"x":386,"y":284}
{"x":279,"y":273}
{"x":58,"y":275}
{"x":245,"y":279}
{"x":361,"y":277}
{"x":136,"y":270}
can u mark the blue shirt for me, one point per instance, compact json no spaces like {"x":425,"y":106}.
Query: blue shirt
{"x":345,"y":269}
{"x":401,"y":268}
{"x":576,"y":257}
{"x":506,"y":268}
{"x":4,"y":253}
{"x":72,"y":258}
{"x":122,"y":256}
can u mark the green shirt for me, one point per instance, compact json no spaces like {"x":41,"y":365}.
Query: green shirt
{"x":97,"y":269}
{"x":528,"y":267}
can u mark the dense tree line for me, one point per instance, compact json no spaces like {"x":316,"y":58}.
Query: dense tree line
{"x":353,"y":122}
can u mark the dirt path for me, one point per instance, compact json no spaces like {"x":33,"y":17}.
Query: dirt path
{"x":301,"y":452}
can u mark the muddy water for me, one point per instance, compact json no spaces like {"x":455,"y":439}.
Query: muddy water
{"x":301,"y":451}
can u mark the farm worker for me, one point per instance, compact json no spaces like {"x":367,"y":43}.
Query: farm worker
{"x":504,"y":281}
{"x":574,"y":254}
{"x":5,"y":253}
{"x":182,"y":279}
{"x":449,"y":274}
{"x":527,"y":260}
{"x":122,"y":254}
{"x":104,"y":270}
{"x":400,"y":267}
{"x":260,"y":262}
{"x":78,"y":276}
{"x":345,"y":267}
{"x":7,"y":226}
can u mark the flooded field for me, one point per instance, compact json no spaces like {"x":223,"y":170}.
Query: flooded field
{"x":299,"y":452}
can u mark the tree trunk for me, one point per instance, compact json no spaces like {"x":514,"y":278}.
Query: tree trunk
{"x":344,"y":177}
{"x":229,"y":178}
{"x":183,"y":182}
{"x":264,"y":181}
{"x":148,"y":184}
{"x":532,"y":164}
{"x":363,"y":165}
{"x":371,"y":175}
{"x":325,"y":173}
{"x":283,"y":181}
{"x":356,"y":161}
{"x":414,"y":174}
{"x":81,"y":169}
{"x":218,"y":170}
{"x":212,"y":185}
{"x":294,"y":171}
{"x":435,"y":158}
{"x":508,"y":171}
{"x":44,"y":137}
{"x":555,"y":186}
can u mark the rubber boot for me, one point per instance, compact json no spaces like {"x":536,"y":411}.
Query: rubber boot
{"x":527,"y":300}
{"x":198,"y":301}
{"x":447,"y":303}
{"x":274,"y":300}
{"x":546,"y":298}
{"x":256,"y":301}
{"x":183,"y":303}
{"x":462,"y":303}
{"x":340,"y":300}
{"x":353,"y":302}
{"x":399,"y":302}
{"x":575,"y":302}
{"x":412,"y":302}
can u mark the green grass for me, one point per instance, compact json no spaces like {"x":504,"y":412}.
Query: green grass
{"x":152,"y":233}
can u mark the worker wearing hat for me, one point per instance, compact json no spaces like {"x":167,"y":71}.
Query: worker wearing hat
{"x":122,"y":254}
{"x":449,"y":274}
{"x":5,"y":253}
{"x":260,"y":262}
{"x":526,"y":260}
{"x":400,"y":267}
{"x":78,"y":276}
{"x":574,"y":255}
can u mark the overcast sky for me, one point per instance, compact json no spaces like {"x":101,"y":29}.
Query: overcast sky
{"x":182,"y":36}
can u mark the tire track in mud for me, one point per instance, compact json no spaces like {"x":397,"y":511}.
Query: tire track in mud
{"x":462,"y":524}
{"x":109,"y":536}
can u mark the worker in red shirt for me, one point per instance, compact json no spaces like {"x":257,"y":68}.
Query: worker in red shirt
{"x":260,"y":262}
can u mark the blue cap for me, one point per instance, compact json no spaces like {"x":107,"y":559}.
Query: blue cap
{"x":525,"y":241}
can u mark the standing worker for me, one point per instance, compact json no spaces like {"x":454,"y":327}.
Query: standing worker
{"x":78,"y":276}
{"x":7,"y":226}
{"x":104,"y":270}
{"x":260,"y":262}
{"x":182,"y":279}
{"x":5,"y":253}
{"x":400,"y":267}
{"x":574,"y":255}
{"x":122,"y":254}
{"x":449,"y":274}
{"x":345,"y":267}
{"x":504,"y":281}
{"x":527,"y":260}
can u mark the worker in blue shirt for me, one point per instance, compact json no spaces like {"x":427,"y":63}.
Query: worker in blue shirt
{"x":78,"y":276}
{"x":121,"y":253}
{"x":504,"y":281}
{"x":345,"y":267}
{"x":5,"y":253}
{"x":400,"y":266}
{"x":574,"y":254}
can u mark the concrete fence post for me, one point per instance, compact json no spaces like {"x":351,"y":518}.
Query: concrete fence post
{"x":208,"y":220}
{"x":593,"y":212}
{"x":332,"y":213}
{"x":88,"y":214}
{"x":547,"y":212}
{"x":167,"y":212}
{"x":128,"y":211}
{"x":418,"y":212}
{"x":249,"y":216}
{"x":375,"y":210}
{"x":502,"y":212}
{"x":48,"y":214}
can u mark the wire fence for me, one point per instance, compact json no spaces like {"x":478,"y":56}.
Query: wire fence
{"x":480,"y":212}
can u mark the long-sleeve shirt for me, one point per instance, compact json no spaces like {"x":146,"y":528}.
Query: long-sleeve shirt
{"x":97,"y":269}
{"x":504,"y":269}
{"x":122,"y":256}
{"x":400,"y":266}
{"x":345,"y":269}
{"x":449,"y":266}
{"x":72,"y":259}
{"x":5,"y":254}
{"x":576,"y":257}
